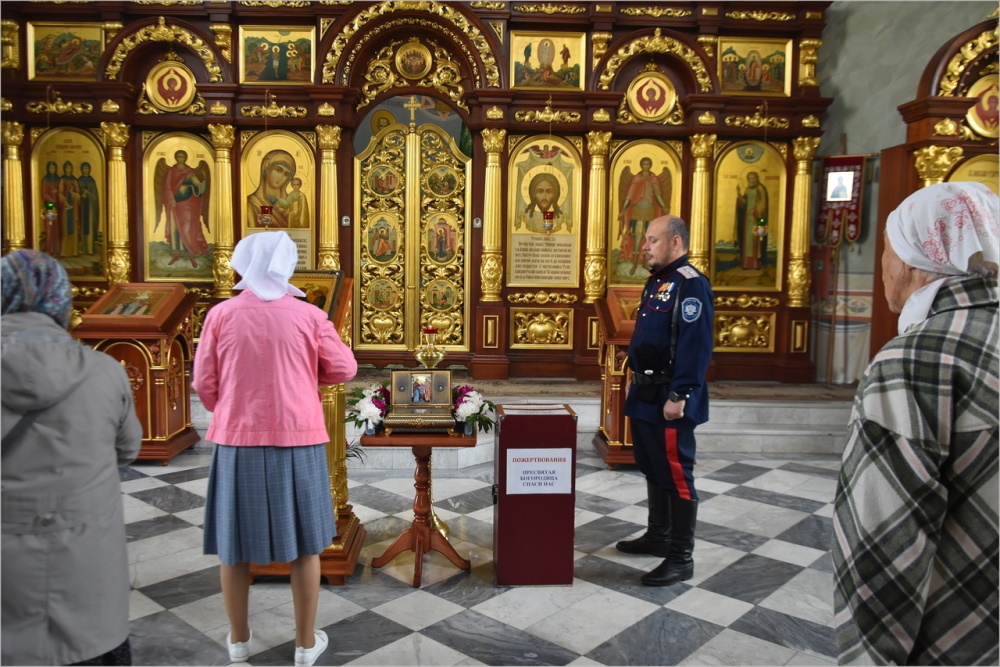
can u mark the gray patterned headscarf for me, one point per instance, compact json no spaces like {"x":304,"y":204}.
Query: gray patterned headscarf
{"x":34,"y":282}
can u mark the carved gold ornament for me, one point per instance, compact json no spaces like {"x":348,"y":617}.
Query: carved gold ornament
{"x":602,"y":116}
{"x":757,"y":121}
{"x":163,"y":33}
{"x":10,"y":54}
{"x":656,"y":43}
{"x":223,"y":39}
{"x":326,"y":109}
{"x":494,"y":113}
{"x":542,"y":297}
{"x":946,"y":128}
{"x":547,"y":115}
{"x":744,"y":332}
{"x":707,"y":118}
{"x":760,"y":16}
{"x":658,"y":12}
{"x":965,"y":56}
{"x":412,"y":64}
{"x":498,"y":28}
{"x":59,"y":106}
{"x":708,"y":42}
{"x":5,"y":104}
{"x":599,"y":43}
{"x":541,"y":328}
{"x":810,"y":121}
{"x":934,"y":162}
{"x":110,"y":106}
{"x":808,"y":55}
{"x":218,"y":109}
{"x":445,"y":11}
{"x":272,"y":110}
{"x":746,"y":301}
{"x":483,"y":4}
{"x":549,"y":8}
{"x":276,"y":4}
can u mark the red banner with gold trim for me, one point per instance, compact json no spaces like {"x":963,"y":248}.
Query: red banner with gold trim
{"x":841,"y":188}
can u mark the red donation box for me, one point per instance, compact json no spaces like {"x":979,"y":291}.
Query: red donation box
{"x":535,"y":491}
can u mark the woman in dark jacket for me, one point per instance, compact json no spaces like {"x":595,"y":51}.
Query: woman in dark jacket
{"x":68,"y":423}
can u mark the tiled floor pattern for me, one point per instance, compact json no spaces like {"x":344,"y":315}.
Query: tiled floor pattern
{"x":761,"y":594}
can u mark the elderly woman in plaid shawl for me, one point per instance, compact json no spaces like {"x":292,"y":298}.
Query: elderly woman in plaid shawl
{"x":915,"y":550}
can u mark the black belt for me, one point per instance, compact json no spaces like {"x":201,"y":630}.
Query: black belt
{"x":652,"y":377}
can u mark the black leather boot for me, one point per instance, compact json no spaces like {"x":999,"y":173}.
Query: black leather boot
{"x":679,"y":565}
{"x":656,"y":540}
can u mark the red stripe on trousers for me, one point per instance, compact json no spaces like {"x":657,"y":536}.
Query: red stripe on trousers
{"x":676,"y":471}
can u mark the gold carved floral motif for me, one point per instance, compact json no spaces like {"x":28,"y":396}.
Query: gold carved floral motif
{"x":966,"y":55}
{"x":810,"y":121}
{"x":542,"y":297}
{"x":326,"y":109}
{"x":497,"y":27}
{"x":760,"y":16}
{"x":218,"y":109}
{"x":443,"y":10}
{"x":223,"y":39}
{"x":707,"y":118}
{"x":5,"y":104}
{"x":10,"y":54}
{"x":484,"y":4}
{"x":275,"y":3}
{"x":744,"y":332}
{"x":946,"y":128}
{"x":547,"y":116}
{"x":757,"y":121}
{"x":808,"y":55}
{"x":602,"y":116}
{"x":934,"y":162}
{"x":272,"y":110}
{"x":163,"y":33}
{"x":110,"y":106}
{"x":656,"y":43}
{"x":541,"y":328}
{"x":746,"y":301}
{"x":494,"y":113}
{"x":670,"y":12}
{"x":442,"y":73}
{"x":708,"y":42}
{"x":549,"y":8}
{"x":59,"y":106}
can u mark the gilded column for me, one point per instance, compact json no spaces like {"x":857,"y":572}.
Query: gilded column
{"x":934,"y":162}
{"x":329,"y":237}
{"x":804,"y":149}
{"x":595,"y":264}
{"x":702,"y":147}
{"x":491,"y":269}
{"x":119,"y":257}
{"x":13,"y":186}
{"x":222,"y":216}
{"x":334,"y":398}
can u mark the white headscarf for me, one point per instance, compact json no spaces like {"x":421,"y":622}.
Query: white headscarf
{"x":266,"y":260}
{"x":937,"y":229}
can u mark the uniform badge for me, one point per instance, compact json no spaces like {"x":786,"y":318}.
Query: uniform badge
{"x":691,"y":309}
{"x":664,"y":292}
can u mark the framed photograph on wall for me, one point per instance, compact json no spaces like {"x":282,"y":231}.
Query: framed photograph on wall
{"x":64,"y":51}
{"x":755,"y":66}
{"x":548,"y":60}
{"x":277,"y":56}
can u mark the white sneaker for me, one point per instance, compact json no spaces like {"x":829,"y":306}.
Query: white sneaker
{"x":240,"y":651}
{"x":305,"y":657}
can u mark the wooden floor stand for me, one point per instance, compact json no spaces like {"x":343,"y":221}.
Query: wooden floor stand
{"x":337,"y":562}
{"x":613,"y":455}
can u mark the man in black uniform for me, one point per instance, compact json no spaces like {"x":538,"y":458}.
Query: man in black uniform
{"x":668,"y":355}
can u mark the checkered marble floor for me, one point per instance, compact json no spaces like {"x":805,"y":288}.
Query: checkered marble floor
{"x":761,"y":594}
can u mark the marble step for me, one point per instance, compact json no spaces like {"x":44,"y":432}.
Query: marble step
{"x":804,"y":427}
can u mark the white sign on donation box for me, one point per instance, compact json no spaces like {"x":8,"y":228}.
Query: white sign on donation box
{"x":539,"y":470}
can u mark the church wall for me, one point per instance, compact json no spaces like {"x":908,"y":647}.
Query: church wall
{"x":871,"y":62}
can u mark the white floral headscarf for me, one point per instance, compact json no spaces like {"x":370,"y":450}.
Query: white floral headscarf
{"x":266,"y":260}
{"x":938,"y":229}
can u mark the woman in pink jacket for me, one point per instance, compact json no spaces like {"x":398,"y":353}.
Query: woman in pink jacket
{"x":259,"y":363}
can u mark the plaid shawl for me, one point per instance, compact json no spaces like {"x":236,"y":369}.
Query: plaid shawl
{"x":916,"y":515}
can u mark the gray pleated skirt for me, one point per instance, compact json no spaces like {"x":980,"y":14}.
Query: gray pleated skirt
{"x":268,"y":504}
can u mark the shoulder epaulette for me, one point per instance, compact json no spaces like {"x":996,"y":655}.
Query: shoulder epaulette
{"x":688,"y":271}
